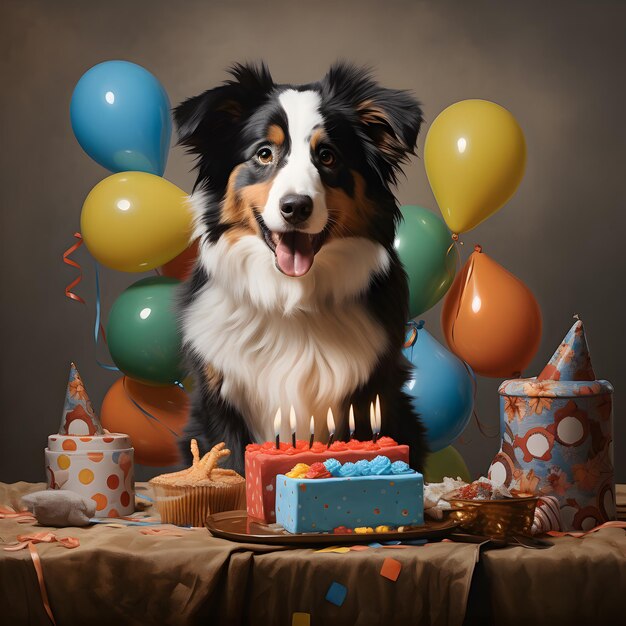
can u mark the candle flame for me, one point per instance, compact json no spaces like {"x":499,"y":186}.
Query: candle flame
{"x":330,"y":422}
{"x":292,"y":419}
{"x":278,"y":418}
{"x":351,"y":420}
{"x":378,"y":415}
{"x":372,"y":418}
{"x":312,"y":425}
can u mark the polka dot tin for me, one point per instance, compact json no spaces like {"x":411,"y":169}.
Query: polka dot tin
{"x":86,"y":459}
{"x":97,"y":467}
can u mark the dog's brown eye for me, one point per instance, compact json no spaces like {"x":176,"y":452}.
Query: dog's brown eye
{"x":327,"y":157}
{"x":265,"y":156}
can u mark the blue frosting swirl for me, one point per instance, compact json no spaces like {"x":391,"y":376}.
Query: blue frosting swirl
{"x":400,"y":467}
{"x":363,"y":466}
{"x":333,"y":466}
{"x":380,"y":465}
{"x":349,"y":469}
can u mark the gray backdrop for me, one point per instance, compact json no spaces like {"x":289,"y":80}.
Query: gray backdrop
{"x":558,"y":66}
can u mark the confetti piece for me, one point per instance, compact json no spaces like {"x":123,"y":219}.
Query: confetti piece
{"x":358,"y":548}
{"x":391,"y":569}
{"x":375,"y":544}
{"x":301,"y":619}
{"x":161,"y":532}
{"x":141,"y":495}
{"x":338,"y":549}
{"x":336,"y":594}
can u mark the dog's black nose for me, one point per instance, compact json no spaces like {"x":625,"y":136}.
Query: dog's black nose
{"x":296,"y":208}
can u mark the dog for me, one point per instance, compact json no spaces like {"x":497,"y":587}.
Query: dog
{"x":298,"y":298}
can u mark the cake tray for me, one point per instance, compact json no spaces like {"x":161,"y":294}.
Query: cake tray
{"x":235,"y":526}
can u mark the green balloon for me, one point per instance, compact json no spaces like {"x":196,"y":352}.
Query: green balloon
{"x":423,"y":243}
{"x":446,"y":462}
{"x":142,"y":332}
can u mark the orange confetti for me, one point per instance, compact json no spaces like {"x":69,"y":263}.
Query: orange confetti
{"x":391,"y":569}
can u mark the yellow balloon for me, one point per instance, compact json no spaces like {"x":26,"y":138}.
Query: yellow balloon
{"x":475,"y":155}
{"x":134,"y":221}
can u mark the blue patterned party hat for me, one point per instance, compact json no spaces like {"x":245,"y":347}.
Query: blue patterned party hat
{"x":79,"y":418}
{"x":571,"y":361}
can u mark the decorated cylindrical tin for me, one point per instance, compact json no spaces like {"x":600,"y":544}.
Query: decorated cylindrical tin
{"x":557,"y":436}
{"x":99,"y":467}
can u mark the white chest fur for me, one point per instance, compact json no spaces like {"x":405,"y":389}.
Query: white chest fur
{"x":279,"y":341}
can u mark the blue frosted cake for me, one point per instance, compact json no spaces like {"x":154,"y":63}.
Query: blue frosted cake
{"x":327,"y":496}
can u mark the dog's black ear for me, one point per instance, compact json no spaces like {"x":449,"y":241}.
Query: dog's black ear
{"x":208,"y":124}
{"x":390,"y":118}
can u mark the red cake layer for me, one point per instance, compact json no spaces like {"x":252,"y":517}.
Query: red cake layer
{"x":264,"y":462}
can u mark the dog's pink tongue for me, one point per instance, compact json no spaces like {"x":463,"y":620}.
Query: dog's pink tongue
{"x":294,"y":253}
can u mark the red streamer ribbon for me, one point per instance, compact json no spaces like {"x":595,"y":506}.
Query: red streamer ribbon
{"x":162,"y":532}
{"x":21,"y":517}
{"x":29,"y":541}
{"x":66,"y":259}
{"x":578,"y":535}
{"x":68,"y":290}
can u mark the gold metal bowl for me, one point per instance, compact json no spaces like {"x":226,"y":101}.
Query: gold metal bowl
{"x":500,"y":518}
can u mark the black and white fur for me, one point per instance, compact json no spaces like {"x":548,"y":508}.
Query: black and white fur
{"x":256,"y":338}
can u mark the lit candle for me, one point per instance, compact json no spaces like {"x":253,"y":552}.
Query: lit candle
{"x":278,"y":418}
{"x":330,"y":422}
{"x":373,"y":421}
{"x":351,"y":421}
{"x":292,"y":425}
{"x":312,"y":427}
{"x":378,"y":417}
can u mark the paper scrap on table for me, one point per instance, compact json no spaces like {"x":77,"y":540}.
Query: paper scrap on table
{"x":337,"y":549}
{"x":391,"y":569}
{"x":434,"y":505}
{"x":301,"y":619}
{"x":336,"y":594}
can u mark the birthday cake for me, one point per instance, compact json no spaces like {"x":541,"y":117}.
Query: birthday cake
{"x":329,"y":496}
{"x":84,"y":458}
{"x":264,"y":462}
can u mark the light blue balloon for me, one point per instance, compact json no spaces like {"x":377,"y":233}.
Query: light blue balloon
{"x":121,"y":117}
{"x":441,"y":388}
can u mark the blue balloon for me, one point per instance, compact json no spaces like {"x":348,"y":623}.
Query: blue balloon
{"x":121,"y":117}
{"x":441,"y":388}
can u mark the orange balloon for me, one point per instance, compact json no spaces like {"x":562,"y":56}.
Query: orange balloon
{"x":491,"y":319}
{"x":181,"y":266}
{"x":155,"y":444}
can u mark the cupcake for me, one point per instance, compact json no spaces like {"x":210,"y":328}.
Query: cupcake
{"x":185,"y":498}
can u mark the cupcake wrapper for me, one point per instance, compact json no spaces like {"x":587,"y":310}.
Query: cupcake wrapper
{"x":190,"y":506}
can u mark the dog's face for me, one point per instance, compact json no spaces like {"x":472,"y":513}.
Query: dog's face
{"x":298,"y":167}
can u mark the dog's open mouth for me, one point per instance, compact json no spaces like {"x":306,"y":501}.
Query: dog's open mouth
{"x":294,"y":250}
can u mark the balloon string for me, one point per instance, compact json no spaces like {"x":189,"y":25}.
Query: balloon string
{"x":470,"y":271}
{"x":481,"y":427}
{"x":145,"y":412}
{"x":455,"y":245}
{"x":66,"y":259}
{"x":412,"y":340}
{"x":98,"y":328}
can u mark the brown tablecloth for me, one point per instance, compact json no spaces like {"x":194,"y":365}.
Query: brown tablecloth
{"x":119,"y":576}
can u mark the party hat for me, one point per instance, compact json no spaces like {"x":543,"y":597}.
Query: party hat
{"x":79,"y":418}
{"x":571,"y":361}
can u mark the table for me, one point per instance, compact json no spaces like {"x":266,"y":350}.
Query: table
{"x":119,"y":576}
